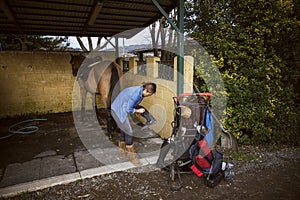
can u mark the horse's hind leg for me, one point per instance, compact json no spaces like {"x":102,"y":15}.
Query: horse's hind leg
{"x":109,"y":118}
{"x":104,"y":93}
{"x":110,"y":123}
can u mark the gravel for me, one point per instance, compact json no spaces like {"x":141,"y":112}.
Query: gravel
{"x":260,"y":173}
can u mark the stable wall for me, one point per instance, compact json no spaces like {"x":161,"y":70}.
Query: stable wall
{"x":35,"y":82}
{"x":42,"y":82}
{"x":161,"y":104}
{"x":38,"y":82}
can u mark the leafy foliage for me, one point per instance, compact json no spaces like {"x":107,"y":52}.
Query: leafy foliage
{"x":256,"y":46}
{"x":32,"y":43}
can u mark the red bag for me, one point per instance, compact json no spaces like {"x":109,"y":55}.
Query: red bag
{"x":196,"y":170}
{"x":202,"y":158}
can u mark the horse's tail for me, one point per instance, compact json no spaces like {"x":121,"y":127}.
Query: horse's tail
{"x":113,"y":92}
{"x":114,"y":81}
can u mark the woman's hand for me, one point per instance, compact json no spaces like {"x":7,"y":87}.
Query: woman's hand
{"x":140,"y":110}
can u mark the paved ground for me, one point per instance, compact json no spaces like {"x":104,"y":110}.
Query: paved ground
{"x":74,"y":160}
{"x":62,"y":151}
{"x":260,"y":174}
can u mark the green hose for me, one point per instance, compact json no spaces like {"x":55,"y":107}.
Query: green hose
{"x":23,"y":131}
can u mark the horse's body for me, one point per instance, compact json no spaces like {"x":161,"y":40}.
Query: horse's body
{"x":102,"y":78}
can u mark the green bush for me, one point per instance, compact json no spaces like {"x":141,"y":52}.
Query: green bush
{"x":256,"y":46}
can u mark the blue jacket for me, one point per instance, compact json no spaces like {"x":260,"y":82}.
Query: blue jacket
{"x":126,"y":101}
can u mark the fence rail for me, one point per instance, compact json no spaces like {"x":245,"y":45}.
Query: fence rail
{"x":166,"y":70}
{"x":141,"y":68}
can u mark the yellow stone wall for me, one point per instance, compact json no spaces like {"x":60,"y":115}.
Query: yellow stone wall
{"x":35,"y":82}
{"x":161,"y":104}
{"x":42,"y":82}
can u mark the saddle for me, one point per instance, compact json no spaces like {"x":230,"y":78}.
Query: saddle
{"x":86,"y":66}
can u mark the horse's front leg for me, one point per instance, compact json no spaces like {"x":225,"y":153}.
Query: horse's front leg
{"x":83,"y":93}
{"x":94,"y":104}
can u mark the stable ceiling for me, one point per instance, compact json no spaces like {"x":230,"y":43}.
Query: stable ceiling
{"x":79,"y":17}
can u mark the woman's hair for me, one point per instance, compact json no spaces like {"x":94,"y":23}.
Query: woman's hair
{"x":151,"y":87}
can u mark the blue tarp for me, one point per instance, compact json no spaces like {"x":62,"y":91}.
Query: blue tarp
{"x":209,"y":123}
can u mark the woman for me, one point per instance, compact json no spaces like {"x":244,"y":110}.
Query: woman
{"x":127,"y":102}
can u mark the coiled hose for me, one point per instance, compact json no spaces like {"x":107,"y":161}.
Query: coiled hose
{"x":23,"y":131}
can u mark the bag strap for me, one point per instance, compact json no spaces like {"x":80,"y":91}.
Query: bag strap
{"x":204,"y":155}
{"x":200,"y":133}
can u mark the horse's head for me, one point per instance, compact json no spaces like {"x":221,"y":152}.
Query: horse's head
{"x":76,"y":61}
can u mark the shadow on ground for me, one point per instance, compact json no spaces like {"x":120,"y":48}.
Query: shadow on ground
{"x":265,"y":174}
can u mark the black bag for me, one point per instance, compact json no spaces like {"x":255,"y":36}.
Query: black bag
{"x":216,"y":174}
{"x":206,"y":163}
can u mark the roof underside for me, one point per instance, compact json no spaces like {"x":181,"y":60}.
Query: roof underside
{"x":78,"y":17}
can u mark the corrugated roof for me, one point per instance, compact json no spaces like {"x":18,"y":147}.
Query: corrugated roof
{"x":78,"y":17}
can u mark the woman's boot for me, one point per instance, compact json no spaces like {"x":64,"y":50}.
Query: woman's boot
{"x":122,"y":149}
{"x":131,"y":153}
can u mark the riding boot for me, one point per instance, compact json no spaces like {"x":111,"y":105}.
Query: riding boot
{"x":150,"y":119}
{"x":165,"y":147}
{"x":131,"y":153}
{"x":122,"y":149}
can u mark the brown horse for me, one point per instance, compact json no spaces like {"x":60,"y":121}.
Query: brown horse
{"x":96,"y":76}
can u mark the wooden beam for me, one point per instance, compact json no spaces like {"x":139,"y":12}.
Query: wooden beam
{"x":7,"y":11}
{"x":9,"y":14}
{"x":93,"y":15}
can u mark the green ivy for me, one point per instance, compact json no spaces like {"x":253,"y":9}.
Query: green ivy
{"x":256,"y":46}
